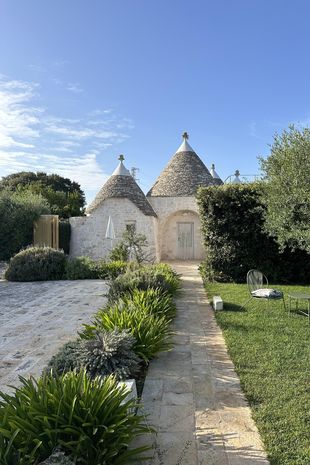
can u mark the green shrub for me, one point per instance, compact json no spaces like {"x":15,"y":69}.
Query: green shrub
{"x":112,"y":270}
{"x":107,"y":353}
{"x":57,"y":458}
{"x":36,"y":264}
{"x":64,"y":236}
{"x":133,"y":246}
{"x":81,"y":268}
{"x":152,"y":301}
{"x":87,"y":268}
{"x":232,"y":218}
{"x":146,"y":277}
{"x":119,"y":252}
{"x":18,"y":211}
{"x":151,"y":333}
{"x":90,"y":419}
{"x":66,"y":359}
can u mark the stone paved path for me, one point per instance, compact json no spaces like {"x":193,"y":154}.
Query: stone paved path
{"x":37,"y":318}
{"x":192,"y":394}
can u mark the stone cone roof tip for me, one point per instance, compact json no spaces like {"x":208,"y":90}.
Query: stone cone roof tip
{"x":183,"y":175}
{"x":185,"y":147}
{"x":215,"y":176}
{"x":121,"y":184}
{"x":120,"y":170}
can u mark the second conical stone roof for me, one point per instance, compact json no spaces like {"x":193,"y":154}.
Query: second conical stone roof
{"x":183,"y":175}
{"x":122,"y":185}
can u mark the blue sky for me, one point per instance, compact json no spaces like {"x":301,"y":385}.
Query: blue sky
{"x":83,"y":81}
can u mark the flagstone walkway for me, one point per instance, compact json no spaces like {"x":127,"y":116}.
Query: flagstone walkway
{"x":192,"y":394}
{"x":37,"y":318}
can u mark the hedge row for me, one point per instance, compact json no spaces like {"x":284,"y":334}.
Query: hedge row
{"x":76,"y":412}
{"x":44,"y":263}
{"x":232,"y":218}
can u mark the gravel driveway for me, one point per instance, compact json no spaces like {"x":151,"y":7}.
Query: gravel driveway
{"x":37,"y":318}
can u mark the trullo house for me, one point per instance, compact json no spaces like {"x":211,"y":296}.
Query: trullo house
{"x":167,"y":215}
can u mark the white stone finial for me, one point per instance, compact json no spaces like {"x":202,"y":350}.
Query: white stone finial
{"x":213,"y":172}
{"x":121,"y":170}
{"x":185,"y":147}
{"x":236,"y":179}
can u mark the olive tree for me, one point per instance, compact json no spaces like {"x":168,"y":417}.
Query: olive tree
{"x":287,"y":172}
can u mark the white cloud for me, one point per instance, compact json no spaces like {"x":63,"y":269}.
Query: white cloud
{"x":33,"y":140}
{"x":74,"y":87}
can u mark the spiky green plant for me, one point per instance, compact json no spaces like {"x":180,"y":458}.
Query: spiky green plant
{"x":8,"y":453}
{"x":152,"y":333}
{"x":152,"y":301}
{"x":110,"y":352}
{"x":90,"y":419}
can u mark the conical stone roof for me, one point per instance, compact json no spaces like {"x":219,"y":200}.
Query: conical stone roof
{"x":122,"y":185}
{"x":183,"y":175}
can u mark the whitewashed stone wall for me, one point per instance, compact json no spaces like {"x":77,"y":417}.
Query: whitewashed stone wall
{"x":170,"y":211}
{"x":88,"y":233}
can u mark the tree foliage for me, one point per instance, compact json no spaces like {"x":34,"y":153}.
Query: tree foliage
{"x":287,"y":171}
{"x":133,"y":246}
{"x":65,"y":197}
{"x":232,"y":218}
{"x":18,"y":211}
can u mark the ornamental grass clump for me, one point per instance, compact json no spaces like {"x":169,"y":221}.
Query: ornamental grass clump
{"x":91,"y":419}
{"x":160,"y":277}
{"x":152,"y":334}
{"x":107,"y":353}
{"x":152,"y":301}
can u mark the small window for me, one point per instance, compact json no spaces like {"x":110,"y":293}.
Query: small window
{"x":131,"y":226}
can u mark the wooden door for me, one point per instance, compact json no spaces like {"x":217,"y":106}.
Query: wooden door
{"x":185,"y":238}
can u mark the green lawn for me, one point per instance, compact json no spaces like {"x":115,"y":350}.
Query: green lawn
{"x":271,"y":353}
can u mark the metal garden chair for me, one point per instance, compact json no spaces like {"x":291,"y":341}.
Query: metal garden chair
{"x":258,"y":288}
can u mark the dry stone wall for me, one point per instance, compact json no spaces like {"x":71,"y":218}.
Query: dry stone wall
{"x":88,"y":233}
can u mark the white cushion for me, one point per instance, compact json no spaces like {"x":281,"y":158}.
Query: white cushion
{"x":267,"y":293}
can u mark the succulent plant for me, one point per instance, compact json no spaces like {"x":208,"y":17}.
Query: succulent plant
{"x":57,"y":458}
{"x":110,"y":352}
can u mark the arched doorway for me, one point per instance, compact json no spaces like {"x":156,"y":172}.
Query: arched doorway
{"x":181,"y":237}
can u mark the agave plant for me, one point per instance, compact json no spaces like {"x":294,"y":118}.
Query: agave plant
{"x":57,"y":458}
{"x":106,"y":353}
{"x":151,"y":333}
{"x":110,"y":352}
{"x":91,"y":419}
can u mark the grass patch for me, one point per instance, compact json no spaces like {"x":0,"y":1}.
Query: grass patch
{"x":271,"y":353}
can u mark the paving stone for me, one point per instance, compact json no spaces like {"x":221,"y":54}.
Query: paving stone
{"x":153,"y":390}
{"x":180,"y":398}
{"x":176,"y":418}
{"x":202,"y":417}
{"x":177,"y":448}
{"x":37,"y":318}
